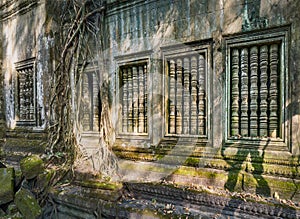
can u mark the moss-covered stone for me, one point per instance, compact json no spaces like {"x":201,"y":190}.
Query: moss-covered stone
{"x":18,"y":177}
{"x":32,"y":166}
{"x":12,"y":209}
{"x":6,"y":185}
{"x":100,"y":185}
{"x":27,"y":204}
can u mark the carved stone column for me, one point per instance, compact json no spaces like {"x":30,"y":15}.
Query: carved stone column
{"x":235,"y":93}
{"x":244,"y":92}
{"x":130,"y":102}
{"x":186,"y":96}
{"x":263,"y":118}
{"x":179,"y":97}
{"x":172,"y":97}
{"x":194,"y":95}
{"x":135,"y":99}
{"x":274,"y":90}
{"x":125,"y":100}
{"x":201,"y":96}
{"x":141,"y":99}
{"x":253,"y":91}
{"x":145,"y":98}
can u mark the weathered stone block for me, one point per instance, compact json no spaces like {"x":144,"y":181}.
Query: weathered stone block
{"x":32,"y":166}
{"x":6,"y":185}
{"x":27,"y":204}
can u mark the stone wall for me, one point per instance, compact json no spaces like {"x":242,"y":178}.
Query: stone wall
{"x":26,"y":63}
{"x":160,"y":32}
{"x":178,"y":100}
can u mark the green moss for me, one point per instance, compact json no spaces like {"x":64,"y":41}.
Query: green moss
{"x":191,"y":161}
{"x":32,"y":166}
{"x":6,"y":185}
{"x":100,"y":185}
{"x":27,"y":204}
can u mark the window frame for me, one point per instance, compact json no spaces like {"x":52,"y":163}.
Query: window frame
{"x":19,"y":66}
{"x":252,"y":39}
{"x":127,"y":60}
{"x":180,"y":50}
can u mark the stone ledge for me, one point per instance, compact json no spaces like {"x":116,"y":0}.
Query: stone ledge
{"x":221,"y":204}
{"x":234,"y":180}
{"x":166,"y":201}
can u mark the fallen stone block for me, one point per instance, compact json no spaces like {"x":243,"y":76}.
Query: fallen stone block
{"x":27,"y":204}
{"x":6,"y":185}
{"x":32,"y":166}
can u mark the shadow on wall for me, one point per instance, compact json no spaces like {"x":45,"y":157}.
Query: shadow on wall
{"x":247,"y":166}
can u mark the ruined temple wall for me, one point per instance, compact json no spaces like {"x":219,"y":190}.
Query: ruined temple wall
{"x":250,"y":157}
{"x":141,"y":27}
{"x":25,"y":46}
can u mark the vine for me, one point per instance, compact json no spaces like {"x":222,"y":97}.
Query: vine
{"x":80,"y":29}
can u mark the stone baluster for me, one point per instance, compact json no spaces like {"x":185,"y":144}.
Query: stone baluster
{"x":273,"y":91}
{"x":186,"y":96}
{"x":135,"y":89}
{"x":179,"y":97}
{"x":263,"y":117}
{"x":130,"y":102}
{"x":235,"y":94}
{"x":27,"y":94}
{"x":146,"y":98}
{"x":172,"y":94}
{"x":253,"y":91}
{"x":141,"y":99}
{"x":22,"y":95}
{"x":31,"y":95}
{"x":244,"y":92}
{"x":194,"y":95}
{"x":125,"y":100}
{"x":85,"y":100}
{"x":201,"y":96}
{"x":95,"y":103}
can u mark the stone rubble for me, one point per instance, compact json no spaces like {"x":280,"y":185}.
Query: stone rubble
{"x":19,"y":191}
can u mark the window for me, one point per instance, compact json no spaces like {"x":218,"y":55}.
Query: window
{"x":90,"y":101}
{"x":133,"y":97}
{"x":257,"y":86}
{"x":25,"y":97}
{"x":186,"y":90}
